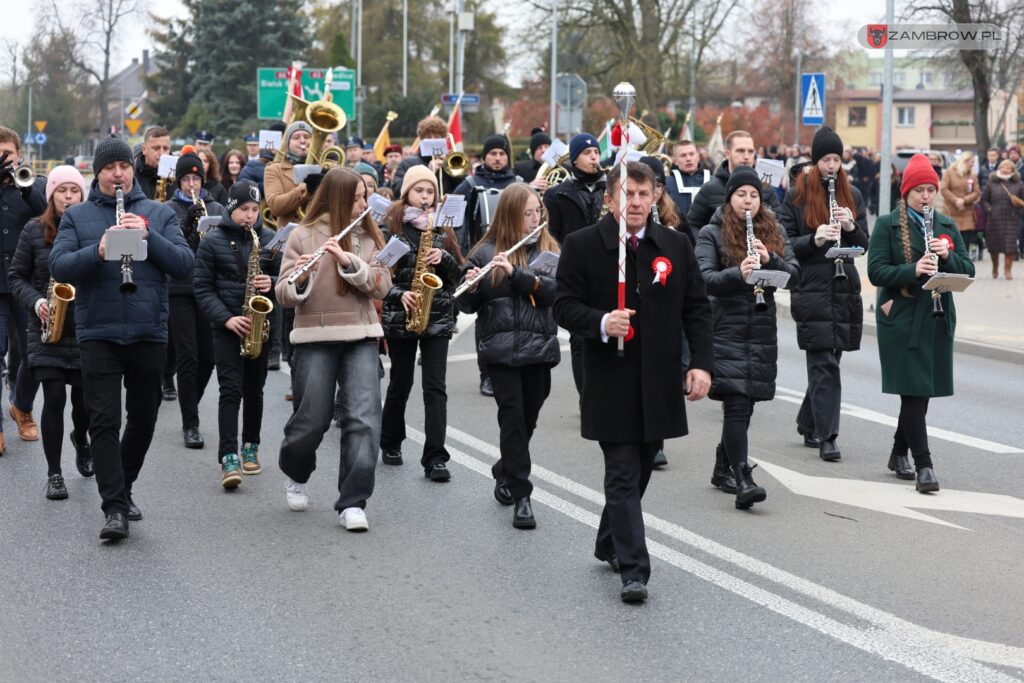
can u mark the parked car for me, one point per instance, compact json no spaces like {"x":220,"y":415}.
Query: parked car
{"x":83,"y":163}
{"x":902,"y":157}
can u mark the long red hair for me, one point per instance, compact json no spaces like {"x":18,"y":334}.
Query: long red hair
{"x":812,"y":196}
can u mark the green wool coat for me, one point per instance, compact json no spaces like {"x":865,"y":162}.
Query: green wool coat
{"x":916,"y":350}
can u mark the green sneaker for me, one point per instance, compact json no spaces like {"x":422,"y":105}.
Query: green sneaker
{"x":230,"y":476}
{"x":251,"y":458}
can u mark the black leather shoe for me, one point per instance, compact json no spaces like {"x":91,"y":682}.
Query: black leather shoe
{"x":522,"y":514}
{"x":926,"y":481}
{"x":612,"y":561}
{"x":502,"y":494}
{"x":55,"y":488}
{"x":810,"y":440}
{"x":193,"y":439}
{"x":721,"y":476}
{"x":660,"y":460}
{"x":134,"y":513}
{"x":116,"y":527}
{"x":169,"y":392}
{"x":274,"y":364}
{"x":83,"y":455}
{"x":391,"y":457}
{"x":486,"y":387}
{"x":747,"y":492}
{"x":829,"y":451}
{"x":438,"y":472}
{"x":634,"y":591}
{"x":900,"y":464}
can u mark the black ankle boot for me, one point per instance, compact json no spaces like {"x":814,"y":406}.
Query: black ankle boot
{"x":747,"y":492}
{"x":721,"y":476}
{"x":83,"y":454}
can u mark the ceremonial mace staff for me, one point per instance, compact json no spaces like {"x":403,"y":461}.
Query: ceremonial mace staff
{"x":624,"y":95}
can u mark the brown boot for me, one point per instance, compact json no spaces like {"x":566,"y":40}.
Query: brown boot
{"x":3,"y":444}
{"x":1008,"y":266}
{"x":26,"y":424}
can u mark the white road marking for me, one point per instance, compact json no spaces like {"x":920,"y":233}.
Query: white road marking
{"x":797,"y":397}
{"x":895,"y":499}
{"x":893,"y":642}
{"x":894,"y":628}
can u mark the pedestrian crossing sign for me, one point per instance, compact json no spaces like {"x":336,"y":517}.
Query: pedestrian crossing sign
{"x":812,"y":94}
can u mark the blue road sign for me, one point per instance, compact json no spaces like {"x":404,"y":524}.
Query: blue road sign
{"x":468,"y":99}
{"x":812,"y":94}
{"x":29,"y":139}
{"x":40,"y":138}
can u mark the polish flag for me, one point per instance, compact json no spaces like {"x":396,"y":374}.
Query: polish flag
{"x":455,"y":127}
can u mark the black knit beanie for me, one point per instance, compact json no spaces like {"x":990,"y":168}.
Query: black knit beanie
{"x":110,"y":150}
{"x":189,"y":163}
{"x":495,"y":142}
{"x":743,"y":175}
{"x":538,"y":139}
{"x":825,"y":142}
{"x":241,"y":192}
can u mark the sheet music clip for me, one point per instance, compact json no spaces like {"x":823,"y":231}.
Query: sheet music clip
{"x":768,"y":278}
{"x":948,"y":282}
{"x":844,"y":252}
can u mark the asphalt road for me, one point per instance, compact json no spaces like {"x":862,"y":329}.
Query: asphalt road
{"x":832,"y":577}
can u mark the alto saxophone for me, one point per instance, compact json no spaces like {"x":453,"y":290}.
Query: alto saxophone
{"x":255,"y":307}
{"x":59,"y":296}
{"x":424,"y":283}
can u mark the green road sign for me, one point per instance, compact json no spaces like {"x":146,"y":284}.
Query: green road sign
{"x":272,"y":90}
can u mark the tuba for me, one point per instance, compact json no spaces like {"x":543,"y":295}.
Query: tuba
{"x":554,"y":174}
{"x":255,"y":307}
{"x":424,"y":283}
{"x":324,"y":117}
{"x":59,"y":296}
{"x":655,"y":139}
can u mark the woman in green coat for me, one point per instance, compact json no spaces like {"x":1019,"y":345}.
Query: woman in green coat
{"x":916,"y":349}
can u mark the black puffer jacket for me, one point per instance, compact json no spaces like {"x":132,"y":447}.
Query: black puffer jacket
{"x":442,"y":311}
{"x":573,"y":205}
{"x":29,"y":279}
{"x":511,"y":329}
{"x":16,"y":209}
{"x":483,"y":180}
{"x":146,"y":177}
{"x":712,"y":196}
{"x":222,"y":263}
{"x":829,"y":313}
{"x":181,"y":208}
{"x":746,"y":343}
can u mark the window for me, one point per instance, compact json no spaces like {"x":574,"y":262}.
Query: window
{"x":876,"y":78}
{"x":857,"y":117}
{"x":926,"y":77}
{"x":948,"y":77}
{"x":899,"y":78}
{"x":905,"y":117}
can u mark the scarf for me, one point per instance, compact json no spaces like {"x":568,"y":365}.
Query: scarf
{"x":418,"y":218}
{"x":294,"y":158}
{"x":588,"y":179}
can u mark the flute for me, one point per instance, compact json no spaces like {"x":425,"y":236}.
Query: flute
{"x":465,"y":286}
{"x":297,"y":273}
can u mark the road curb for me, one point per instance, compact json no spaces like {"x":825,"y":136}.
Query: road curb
{"x":970,"y":347}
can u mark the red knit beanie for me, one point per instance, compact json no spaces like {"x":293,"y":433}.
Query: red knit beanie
{"x":918,"y":172}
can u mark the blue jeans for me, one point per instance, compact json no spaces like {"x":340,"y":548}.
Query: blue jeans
{"x":316,"y":370}
{"x":24,"y":387}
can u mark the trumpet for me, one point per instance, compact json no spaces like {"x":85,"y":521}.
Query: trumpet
{"x":456,"y":164}
{"x":468,"y":284}
{"x":23,"y":175}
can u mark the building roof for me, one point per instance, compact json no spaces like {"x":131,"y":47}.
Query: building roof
{"x":913,"y":95}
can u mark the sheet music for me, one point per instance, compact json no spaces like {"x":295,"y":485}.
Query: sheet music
{"x":165,"y":168}
{"x":546,"y":263}
{"x":300,"y":172}
{"x":207,"y":222}
{"x":452,"y":211}
{"x":844,"y":252}
{"x":768,"y":278}
{"x":554,"y":152}
{"x":433,"y":147}
{"x":392,"y":252}
{"x":281,"y":237}
{"x":270,"y":139}
{"x":379,"y":206}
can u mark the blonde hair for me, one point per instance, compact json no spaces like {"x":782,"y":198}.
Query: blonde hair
{"x":507,"y":227}
{"x":963,"y":163}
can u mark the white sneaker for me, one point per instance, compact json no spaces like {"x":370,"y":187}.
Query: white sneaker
{"x":296,"y":494}
{"x":353,"y":519}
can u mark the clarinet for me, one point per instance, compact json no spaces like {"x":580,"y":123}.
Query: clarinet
{"x":128,"y":285}
{"x":759,"y":303}
{"x":833,"y":206}
{"x":937,"y":312}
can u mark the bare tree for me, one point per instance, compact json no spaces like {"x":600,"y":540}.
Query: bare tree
{"x":10,"y":70}
{"x":90,"y":41}
{"x":1000,"y":68}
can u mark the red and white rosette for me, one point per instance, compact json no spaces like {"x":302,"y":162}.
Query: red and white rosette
{"x":949,"y":242}
{"x":661,"y":267}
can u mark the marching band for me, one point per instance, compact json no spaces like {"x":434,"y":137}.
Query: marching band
{"x":222,"y":252}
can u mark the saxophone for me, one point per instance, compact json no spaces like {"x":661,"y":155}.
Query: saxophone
{"x":424,"y":283}
{"x":255,"y":307}
{"x":59,"y":296}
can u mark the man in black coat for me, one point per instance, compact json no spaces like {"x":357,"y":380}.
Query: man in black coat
{"x":686,"y":179}
{"x":633,"y":401}
{"x":573,"y":205}
{"x":430,"y":128}
{"x":482,"y":190}
{"x":739,"y":151}
{"x":155,"y":143}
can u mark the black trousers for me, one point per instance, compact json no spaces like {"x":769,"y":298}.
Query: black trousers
{"x":118,"y":458}
{"x":912,"y":431}
{"x":51,"y":422}
{"x":171,"y":359}
{"x":819,"y":412}
{"x":241,"y":383}
{"x":627,"y":469}
{"x":519,"y":393}
{"x":736,"y":412}
{"x":576,"y":354}
{"x":402,"y":351}
{"x":193,"y":348}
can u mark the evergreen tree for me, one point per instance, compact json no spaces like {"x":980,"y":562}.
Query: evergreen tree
{"x":57,"y":96}
{"x":232,"y":40}
{"x":171,"y":83}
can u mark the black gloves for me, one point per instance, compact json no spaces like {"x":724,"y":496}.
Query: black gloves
{"x":313,"y":181}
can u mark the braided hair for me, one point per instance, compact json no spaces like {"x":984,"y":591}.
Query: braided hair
{"x":908,"y":256}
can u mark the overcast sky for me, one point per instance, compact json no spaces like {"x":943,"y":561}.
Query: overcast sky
{"x":839,"y":22}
